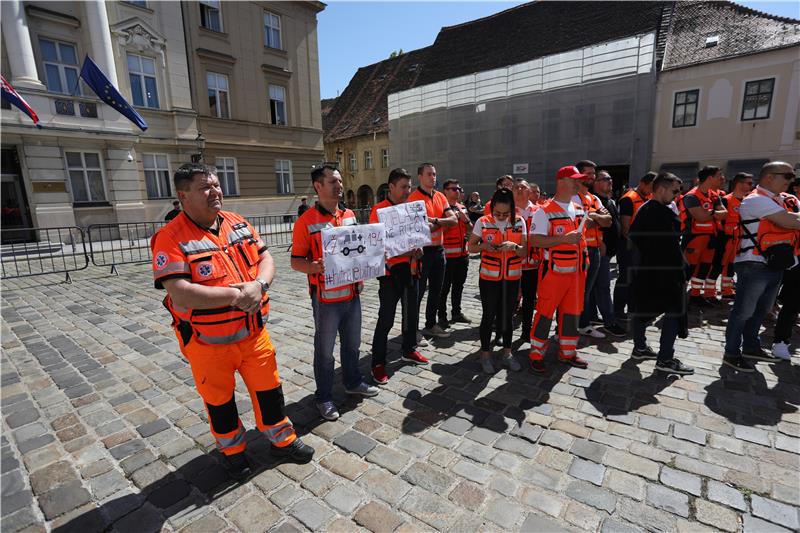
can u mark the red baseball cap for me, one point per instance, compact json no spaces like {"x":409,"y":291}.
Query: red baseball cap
{"x":569,"y":172}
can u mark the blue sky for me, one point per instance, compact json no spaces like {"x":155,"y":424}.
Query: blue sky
{"x":355,"y":34}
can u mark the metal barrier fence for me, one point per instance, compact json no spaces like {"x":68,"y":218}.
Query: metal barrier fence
{"x":36,"y":251}
{"x":57,"y":250}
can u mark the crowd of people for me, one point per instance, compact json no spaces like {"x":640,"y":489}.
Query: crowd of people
{"x":544,"y":260}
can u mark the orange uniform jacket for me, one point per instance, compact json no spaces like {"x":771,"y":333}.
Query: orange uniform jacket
{"x":591,"y":204}
{"x":496,"y":266}
{"x":307,"y":244}
{"x":455,"y":237}
{"x":185,"y":250}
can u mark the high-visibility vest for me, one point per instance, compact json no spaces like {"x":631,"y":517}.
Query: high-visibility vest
{"x":732,"y":204}
{"x":792,"y":204}
{"x":564,"y":258}
{"x":182,"y":248}
{"x":688,"y":223}
{"x":636,"y":199}
{"x":593,"y":235}
{"x":390,"y":262}
{"x":310,"y":225}
{"x":769,"y":234}
{"x":455,"y":237}
{"x":496,"y":266}
{"x":533,"y":257}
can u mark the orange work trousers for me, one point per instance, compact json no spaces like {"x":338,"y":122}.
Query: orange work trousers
{"x":727,"y":266}
{"x":562,"y":293}
{"x":213,"y":368}
{"x":700,"y":256}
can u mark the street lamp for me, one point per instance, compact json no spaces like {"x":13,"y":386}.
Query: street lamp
{"x":200,"y":143}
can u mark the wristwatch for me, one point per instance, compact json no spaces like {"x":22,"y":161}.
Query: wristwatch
{"x":264,"y":285}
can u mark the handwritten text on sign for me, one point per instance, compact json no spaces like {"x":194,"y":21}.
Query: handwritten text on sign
{"x":406,"y":227}
{"x":352,"y":253}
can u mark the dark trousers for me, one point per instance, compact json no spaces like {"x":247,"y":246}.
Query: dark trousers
{"x":624,"y":257}
{"x":530,"y":282}
{"x":433,"y":267}
{"x":789,"y":298}
{"x":455,"y":275}
{"x":498,"y":300}
{"x":669,"y":332}
{"x":395,"y":289}
{"x":591,"y":278}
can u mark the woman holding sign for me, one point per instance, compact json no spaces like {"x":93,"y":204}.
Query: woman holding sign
{"x":500,"y":237}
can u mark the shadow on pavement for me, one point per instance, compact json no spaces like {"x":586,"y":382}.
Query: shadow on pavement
{"x":626,"y":389}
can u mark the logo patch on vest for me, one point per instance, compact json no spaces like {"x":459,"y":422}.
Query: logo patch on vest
{"x":161,"y":260}
{"x":205,"y":269}
{"x":489,"y":238}
{"x":559,"y":229}
{"x":706,"y":205}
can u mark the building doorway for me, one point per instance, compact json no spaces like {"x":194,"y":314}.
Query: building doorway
{"x":15,"y":210}
{"x":365,"y":197}
{"x":620,"y":178}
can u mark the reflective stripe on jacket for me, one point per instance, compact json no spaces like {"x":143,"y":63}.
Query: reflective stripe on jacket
{"x":496,"y":266}
{"x":564,"y":258}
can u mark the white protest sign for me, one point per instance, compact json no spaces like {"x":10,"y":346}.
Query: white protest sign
{"x":406,"y":227}
{"x":352,"y":253}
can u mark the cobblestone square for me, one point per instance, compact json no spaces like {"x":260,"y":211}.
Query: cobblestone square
{"x":103,"y":429}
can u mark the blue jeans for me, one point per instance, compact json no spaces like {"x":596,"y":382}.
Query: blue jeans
{"x":343,"y":318}
{"x":756,"y":289}
{"x":601,"y":294}
{"x":669,"y":332}
{"x":591,"y":278}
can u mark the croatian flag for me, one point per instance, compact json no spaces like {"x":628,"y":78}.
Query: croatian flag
{"x":103,"y":88}
{"x":12,"y":97}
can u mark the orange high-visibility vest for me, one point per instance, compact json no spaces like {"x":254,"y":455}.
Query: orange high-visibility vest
{"x":564,"y":258}
{"x":455,"y":237}
{"x":636,"y":199}
{"x":184,"y":249}
{"x":533,"y":258}
{"x":496,"y":266}
{"x":708,"y":227}
{"x":792,"y":204}
{"x":732,"y":220}
{"x":308,"y":236}
{"x":769,"y":234}
{"x":593,"y":235}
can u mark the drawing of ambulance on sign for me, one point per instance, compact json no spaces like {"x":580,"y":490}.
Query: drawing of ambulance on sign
{"x":352,"y":243}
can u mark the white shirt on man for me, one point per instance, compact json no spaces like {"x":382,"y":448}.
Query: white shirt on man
{"x":755,"y":207}
{"x":540,"y":225}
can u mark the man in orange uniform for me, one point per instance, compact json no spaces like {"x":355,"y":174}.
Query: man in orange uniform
{"x":336,"y":310}
{"x":216,"y":271}
{"x":741,"y":186}
{"x":629,"y":205}
{"x":440,"y":216}
{"x":526,"y":206}
{"x":398,"y":285}
{"x":455,"y":251}
{"x":700,"y":210}
{"x":562,"y":272}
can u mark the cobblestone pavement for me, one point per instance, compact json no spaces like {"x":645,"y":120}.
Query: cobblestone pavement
{"x":102,"y":428}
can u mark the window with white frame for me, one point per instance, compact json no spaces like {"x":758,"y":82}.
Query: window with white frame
{"x":138,"y":3}
{"x":757,"y":99}
{"x":226,"y":172}
{"x":156,"y":175}
{"x":283,"y":176}
{"x":367,"y":159}
{"x":210,"y":17}
{"x":684,"y":113}
{"x":60,"y":61}
{"x":277,"y":104}
{"x":352,"y":163}
{"x":272,"y":30}
{"x":85,"y":177}
{"x":384,"y":158}
{"x":218,"y":95}
{"x":142,"y":73}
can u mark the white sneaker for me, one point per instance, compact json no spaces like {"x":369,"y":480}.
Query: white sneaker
{"x":781,"y":350}
{"x":422,"y":341}
{"x":436,"y":331}
{"x":589,"y":331}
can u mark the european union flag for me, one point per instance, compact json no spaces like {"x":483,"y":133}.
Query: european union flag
{"x":103,"y":88}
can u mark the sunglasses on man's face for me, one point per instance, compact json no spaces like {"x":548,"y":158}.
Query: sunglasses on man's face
{"x":787,"y":175}
{"x":454,"y":189}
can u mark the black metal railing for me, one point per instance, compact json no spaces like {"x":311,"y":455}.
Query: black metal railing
{"x":121,"y":244}
{"x":58,"y":250}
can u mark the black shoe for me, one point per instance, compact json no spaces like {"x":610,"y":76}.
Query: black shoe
{"x":460,"y":318}
{"x":237,"y":466}
{"x":443,"y":323}
{"x":760,"y":355}
{"x":595,"y":322}
{"x":537,"y":366}
{"x":498,"y":341}
{"x":673,"y":366}
{"x":615,"y":330}
{"x":297,"y":451}
{"x":646,"y":354}
{"x":621,"y":317}
{"x":739,"y":363}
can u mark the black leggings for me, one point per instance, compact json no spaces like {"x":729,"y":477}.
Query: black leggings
{"x":789,"y":298}
{"x":498,"y":299}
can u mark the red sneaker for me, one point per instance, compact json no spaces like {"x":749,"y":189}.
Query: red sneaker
{"x":576,"y":361}
{"x":415,"y":357}
{"x":379,"y":375}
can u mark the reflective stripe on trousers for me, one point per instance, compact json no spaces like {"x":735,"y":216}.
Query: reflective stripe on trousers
{"x":224,"y":443}
{"x":274,"y":433}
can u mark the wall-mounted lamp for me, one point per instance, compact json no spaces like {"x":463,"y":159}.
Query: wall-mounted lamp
{"x":200,"y":143}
